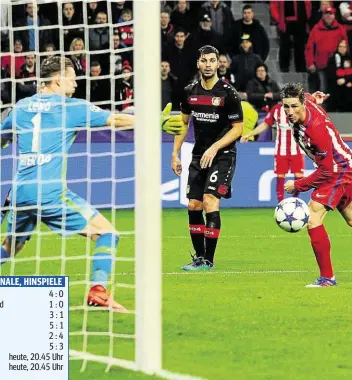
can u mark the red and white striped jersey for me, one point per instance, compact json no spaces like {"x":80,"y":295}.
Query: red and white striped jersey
{"x":321,"y":141}
{"x":285,"y":143}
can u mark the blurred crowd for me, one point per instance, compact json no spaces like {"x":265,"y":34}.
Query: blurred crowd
{"x":317,"y":33}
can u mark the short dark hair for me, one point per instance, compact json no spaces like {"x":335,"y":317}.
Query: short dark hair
{"x":208,"y":49}
{"x":245,"y":7}
{"x":180,"y":30}
{"x":52,"y":65}
{"x":293,"y":90}
{"x":94,"y":63}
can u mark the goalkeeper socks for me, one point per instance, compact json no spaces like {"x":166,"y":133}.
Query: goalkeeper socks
{"x":321,"y":246}
{"x":296,"y":193}
{"x":4,"y":256}
{"x":196,"y":229}
{"x":104,"y":250}
{"x":212,"y":232}
{"x":280,"y":181}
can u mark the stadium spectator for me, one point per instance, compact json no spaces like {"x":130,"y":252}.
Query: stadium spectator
{"x":49,"y":50}
{"x":180,"y":56}
{"x":345,"y":19}
{"x":224,"y":72}
{"x":222,"y":21}
{"x":339,"y":74}
{"x":243,"y":65}
{"x":19,"y":61}
{"x":93,"y":8}
{"x":70,"y":18}
{"x":117,"y":8}
{"x":99,"y":88}
{"x":321,"y":45}
{"x":28,"y":70}
{"x":317,"y":11}
{"x":99,"y":39}
{"x":117,"y":58}
{"x":168,"y":84}
{"x":291,"y":18}
{"x":262,"y":91}
{"x":250,"y":25}
{"x":126,"y":31}
{"x":124,"y":87}
{"x":167,"y":29}
{"x":79,"y":64}
{"x":28,"y":36}
{"x":205,"y":35}
{"x":181,"y":17}
{"x":78,"y":59}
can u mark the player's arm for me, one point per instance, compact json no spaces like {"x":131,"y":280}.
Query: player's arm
{"x":120,"y":120}
{"x":178,"y":141}
{"x":256,"y":131}
{"x":322,"y":142}
{"x":235,"y":115}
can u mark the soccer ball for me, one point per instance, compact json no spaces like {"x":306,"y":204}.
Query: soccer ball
{"x":292,"y":214}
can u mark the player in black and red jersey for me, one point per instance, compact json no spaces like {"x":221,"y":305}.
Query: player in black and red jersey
{"x":217,"y":116}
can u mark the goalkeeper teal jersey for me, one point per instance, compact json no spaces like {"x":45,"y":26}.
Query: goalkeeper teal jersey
{"x":46,"y":126}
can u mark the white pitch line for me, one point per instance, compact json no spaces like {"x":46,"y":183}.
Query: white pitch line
{"x":215,"y":272}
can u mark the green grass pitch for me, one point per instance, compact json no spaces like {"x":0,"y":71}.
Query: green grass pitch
{"x":250,"y":319}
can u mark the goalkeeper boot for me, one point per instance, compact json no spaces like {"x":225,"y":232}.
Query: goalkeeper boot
{"x":322,"y":282}
{"x":99,"y":296}
{"x":198,"y":264}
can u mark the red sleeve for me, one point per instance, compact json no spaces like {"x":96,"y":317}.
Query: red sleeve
{"x":274,"y":10}
{"x":322,"y":144}
{"x":309,"y":50}
{"x":310,"y":97}
{"x":269,"y":118}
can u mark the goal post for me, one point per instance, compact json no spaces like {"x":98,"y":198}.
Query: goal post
{"x":148,"y":185}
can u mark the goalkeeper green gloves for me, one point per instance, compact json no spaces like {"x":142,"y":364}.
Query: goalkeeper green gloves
{"x":4,"y":143}
{"x":172,"y":124}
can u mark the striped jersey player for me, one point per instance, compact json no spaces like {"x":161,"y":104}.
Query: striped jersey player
{"x":289,"y":158}
{"x":331,"y":181}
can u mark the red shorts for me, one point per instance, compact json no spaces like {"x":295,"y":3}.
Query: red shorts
{"x":335,"y":194}
{"x":286,"y":164}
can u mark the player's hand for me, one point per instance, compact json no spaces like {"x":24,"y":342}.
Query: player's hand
{"x":289,"y":187}
{"x":208,"y":157}
{"x":245,"y":139}
{"x":312,"y":69}
{"x":320,"y":97}
{"x":171,"y":124}
{"x":176,"y":164}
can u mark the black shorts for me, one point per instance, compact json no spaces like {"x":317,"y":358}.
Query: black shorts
{"x":215,"y":180}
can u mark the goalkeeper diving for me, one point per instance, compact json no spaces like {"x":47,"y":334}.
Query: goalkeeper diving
{"x":46,"y":125}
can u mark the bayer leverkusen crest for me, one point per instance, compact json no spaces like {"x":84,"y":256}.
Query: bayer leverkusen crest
{"x":215,"y":101}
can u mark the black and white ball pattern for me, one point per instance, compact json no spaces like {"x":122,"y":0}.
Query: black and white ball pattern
{"x":292,"y":214}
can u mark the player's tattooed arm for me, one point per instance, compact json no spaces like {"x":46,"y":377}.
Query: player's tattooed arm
{"x":178,"y":141}
{"x":232,"y":135}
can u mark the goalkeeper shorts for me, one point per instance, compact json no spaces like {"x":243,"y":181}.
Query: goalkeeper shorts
{"x":68,"y":216}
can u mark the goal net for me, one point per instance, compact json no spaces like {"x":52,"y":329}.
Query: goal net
{"x":117,"y":64}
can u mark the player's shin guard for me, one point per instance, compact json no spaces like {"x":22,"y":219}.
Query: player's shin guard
{"x":296,"y":193}
{"x":212,"y":232}
{"x":196,"y":230}
{"x":321,"y":246}
{"x":4,"y":256}
{"x":280,"y":181}
{"x":104,"y":252}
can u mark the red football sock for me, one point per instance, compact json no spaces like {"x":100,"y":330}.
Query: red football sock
{"x":280,"y":181}
{"x":321,"y":246}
